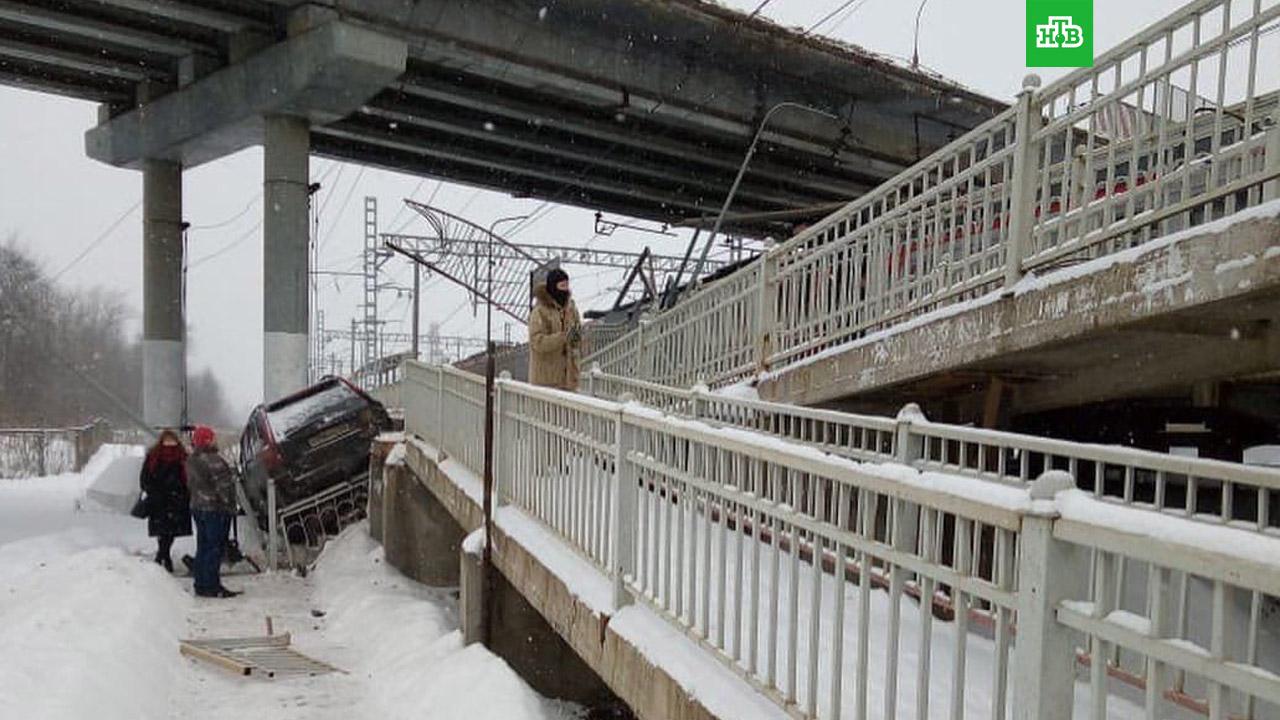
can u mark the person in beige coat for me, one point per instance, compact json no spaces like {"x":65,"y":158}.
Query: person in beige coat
{"x":555,"y":334}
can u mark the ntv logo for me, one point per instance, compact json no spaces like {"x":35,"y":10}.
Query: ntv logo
{"x":1059,"y":33}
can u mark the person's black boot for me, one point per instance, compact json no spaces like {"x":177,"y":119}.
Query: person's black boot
{"x":167,"y":562}
{"x":220,"y":592}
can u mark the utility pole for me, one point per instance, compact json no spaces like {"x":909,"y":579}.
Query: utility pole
{"x":433,"y":342}
{"x":370,"y":306}
{"x":319,"y":361}
{"x":353,"y":347}
{"x":417,"y":288}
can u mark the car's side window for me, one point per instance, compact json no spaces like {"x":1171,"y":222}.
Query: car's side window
{"x":255,"y":437}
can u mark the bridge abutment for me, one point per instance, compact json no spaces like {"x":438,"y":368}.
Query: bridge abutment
{"x":564,"y":645}
{"x":519,"y":634}
{"x":421,"y":539}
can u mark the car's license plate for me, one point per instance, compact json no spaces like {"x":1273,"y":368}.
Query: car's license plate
{"x":327,"y":436}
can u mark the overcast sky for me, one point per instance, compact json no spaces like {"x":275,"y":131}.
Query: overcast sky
{"x":57,"y":202}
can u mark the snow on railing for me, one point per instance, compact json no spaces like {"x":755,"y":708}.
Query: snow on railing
{"x":1242,"y":496}
{"x":1176,"y":127}
{"x":1195,"y":625}
{"x":773,"y":555}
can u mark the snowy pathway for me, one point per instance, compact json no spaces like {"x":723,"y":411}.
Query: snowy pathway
{"x":206,"y":693}
{"x":89,"y":627}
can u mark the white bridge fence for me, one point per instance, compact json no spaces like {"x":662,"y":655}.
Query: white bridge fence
{"x":847,"y":589}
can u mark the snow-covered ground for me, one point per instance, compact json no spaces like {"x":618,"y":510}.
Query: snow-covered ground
{"x":89,"y":628}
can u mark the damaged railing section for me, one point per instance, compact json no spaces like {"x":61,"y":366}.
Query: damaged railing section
{"x":846,"y":589}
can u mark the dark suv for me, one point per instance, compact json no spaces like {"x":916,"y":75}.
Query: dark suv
{"x":308,"y":442}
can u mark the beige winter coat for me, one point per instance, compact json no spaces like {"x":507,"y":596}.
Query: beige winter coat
{"x":553,"y":362}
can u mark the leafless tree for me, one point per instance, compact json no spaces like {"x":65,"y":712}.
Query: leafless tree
{"x":51,"y":336}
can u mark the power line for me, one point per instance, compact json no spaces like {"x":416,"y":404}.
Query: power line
{"x":96,"y":241}
{"x":759,"y":7}
{"x":403,"y":207}
{"x":329,"y":195}
{"x":230,"y":220}
{"x":828,"y":16}
{"x":351,"y":191}
{"x":227,"y":248}
{"x":853,"y":11}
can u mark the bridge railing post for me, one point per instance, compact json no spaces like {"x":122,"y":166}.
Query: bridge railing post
{"x":273,"y":528}
{"x":765,"y":315}
{"x":437,"y":432}
{"x":1271,"y":161}
{"x":1024,"y":182}
{"x":591,"y":378}
{"x":645,"y":354}
{"x":502,"y":439}
{"x":908,"y":447}
{"x":1049,"y":571}
{"x":698,"y":396}
{"x":623,"y":508}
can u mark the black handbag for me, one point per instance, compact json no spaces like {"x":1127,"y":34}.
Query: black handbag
{"x":141,"y":508}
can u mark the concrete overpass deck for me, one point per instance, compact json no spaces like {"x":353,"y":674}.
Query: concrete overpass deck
{"x":632,"y":106}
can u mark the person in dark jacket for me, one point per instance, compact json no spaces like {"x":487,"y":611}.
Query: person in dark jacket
{"x":165,"y":496}
{"x":213,"y":506}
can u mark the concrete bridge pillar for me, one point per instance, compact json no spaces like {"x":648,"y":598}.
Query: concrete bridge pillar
{"x":421,"y":539}
{"x":163,"y":348}
{"x":286,"y":175}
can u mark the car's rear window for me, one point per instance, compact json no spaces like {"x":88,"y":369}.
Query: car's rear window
{"x":335,"y":400}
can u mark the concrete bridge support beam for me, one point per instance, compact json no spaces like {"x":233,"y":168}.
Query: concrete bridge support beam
{"x":286,"y":175}
{"x":163,"y":348}
{"x":519,"y":634}
{"x":419,"y":536}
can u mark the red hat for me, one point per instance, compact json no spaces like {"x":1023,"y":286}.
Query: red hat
{"x":202,"y":436}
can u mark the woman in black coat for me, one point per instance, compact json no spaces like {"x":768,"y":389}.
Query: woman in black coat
{"x":164,"y":485}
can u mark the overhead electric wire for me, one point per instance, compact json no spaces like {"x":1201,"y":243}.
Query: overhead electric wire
{"x":329,"y":195}
{"x":228,"y":247}
{"x":96,"y":241}
{"x":404,"y":208}
{"x":231,"y":219}
{"x":845,"y":18}
{"x":345,"y":201}
{"x":829,"y":15}
{"x":759,"y":7}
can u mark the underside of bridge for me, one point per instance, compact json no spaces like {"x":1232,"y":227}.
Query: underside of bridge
{"x":637,"y":107}
{"x":633,"y":106}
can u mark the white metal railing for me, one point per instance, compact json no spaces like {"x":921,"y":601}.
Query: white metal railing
{"x":1194,"y":627}
{"x":799,"y":568}
{"x":1211,"y":491}
{"x":598,"y":334}
{"x":1175,"y":127}
{"x":446,"y":405}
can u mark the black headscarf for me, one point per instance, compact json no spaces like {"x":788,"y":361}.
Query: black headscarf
{"x":554,"y":278}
